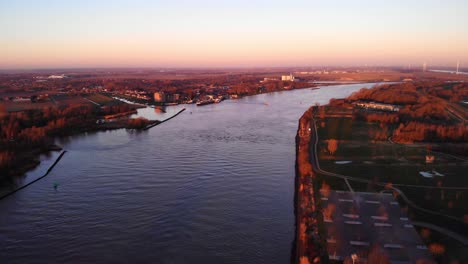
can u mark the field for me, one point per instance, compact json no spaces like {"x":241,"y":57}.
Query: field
{"x":102,"y":100}
{"x":95,"y":99}
{"x":22,"y":106}
{"x":355,"y":154}
{"x":358,"y":156}
{"x":388,"y":75}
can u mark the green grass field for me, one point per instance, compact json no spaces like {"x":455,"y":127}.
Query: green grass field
{"x":385,"y":161}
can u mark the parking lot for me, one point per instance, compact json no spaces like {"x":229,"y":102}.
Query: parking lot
{"x":370,"y":223}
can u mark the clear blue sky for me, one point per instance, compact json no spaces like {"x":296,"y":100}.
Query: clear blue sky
{"x":231,"y":33}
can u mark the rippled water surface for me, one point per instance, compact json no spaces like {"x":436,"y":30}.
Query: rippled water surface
{"x":213,"y":185}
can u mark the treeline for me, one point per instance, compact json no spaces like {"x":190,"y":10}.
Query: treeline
{"x":31,"y":126}
{"x":417,"y":131}
{"x":138,"y":123}
{"x":253,"y":87}
{"x":404,"y":93}
{"x":427,"y":109}
{"x":448,"y":91}
{"x":34,"y":130}
{"x":422,"y":114}
{"x":115,"y":109}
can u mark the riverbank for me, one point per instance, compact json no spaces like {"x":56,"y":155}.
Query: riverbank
{"x":2,"y":196}
{"x":310,"y":238}
{"x":27,"y":159}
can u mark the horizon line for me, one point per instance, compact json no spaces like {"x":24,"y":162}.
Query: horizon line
{"x":400,"y":66}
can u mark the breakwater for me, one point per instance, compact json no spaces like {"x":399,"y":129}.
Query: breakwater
{"x":310,"y":246}
{"x":167,"y":119}
{"x":45,"y":174}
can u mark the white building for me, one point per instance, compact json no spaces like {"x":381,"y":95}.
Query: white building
{"x":21,"y":99}
{"x":289,"y":77}
{"x":378,"y":106}
{"x":267,"y":79}
{"x":57,"y":76}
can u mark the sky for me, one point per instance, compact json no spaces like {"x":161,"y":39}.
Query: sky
{"x":240,"y":33}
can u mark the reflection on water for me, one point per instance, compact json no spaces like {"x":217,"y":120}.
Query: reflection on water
{"x":214,"y":185}
{"x":160,"y":109}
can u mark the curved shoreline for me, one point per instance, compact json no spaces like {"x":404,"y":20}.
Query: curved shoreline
{"x":95,"y":129}
{"x":29,"y":183}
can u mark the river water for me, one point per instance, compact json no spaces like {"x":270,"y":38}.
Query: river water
{"x":213,"y":185}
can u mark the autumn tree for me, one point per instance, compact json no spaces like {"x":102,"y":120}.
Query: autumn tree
{"x":332,"y":146}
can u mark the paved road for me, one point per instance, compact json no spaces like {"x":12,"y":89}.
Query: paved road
{"x":91,"y":101}
{"x":452,"y":110}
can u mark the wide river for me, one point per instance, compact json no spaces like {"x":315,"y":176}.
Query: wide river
{"x":213,"y":185}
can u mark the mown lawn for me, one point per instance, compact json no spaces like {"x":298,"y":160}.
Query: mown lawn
{"x":384,"y":161}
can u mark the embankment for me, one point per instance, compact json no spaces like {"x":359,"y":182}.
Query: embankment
{"x":47,"y":173}
{"x":167,"y":119}
{"x":310,"y":246}
{"x":113,"y":116}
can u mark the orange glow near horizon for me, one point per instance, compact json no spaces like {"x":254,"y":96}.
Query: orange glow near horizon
{"x":153,"y":34}
{"x":246,"y":51}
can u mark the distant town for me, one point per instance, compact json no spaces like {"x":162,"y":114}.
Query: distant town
{"x":24,"y":90}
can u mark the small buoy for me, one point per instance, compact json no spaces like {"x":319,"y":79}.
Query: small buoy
{"x":56,"y":185}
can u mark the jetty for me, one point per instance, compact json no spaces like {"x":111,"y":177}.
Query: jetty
{"x":165,"y":120}
{"x":47,"y":173}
